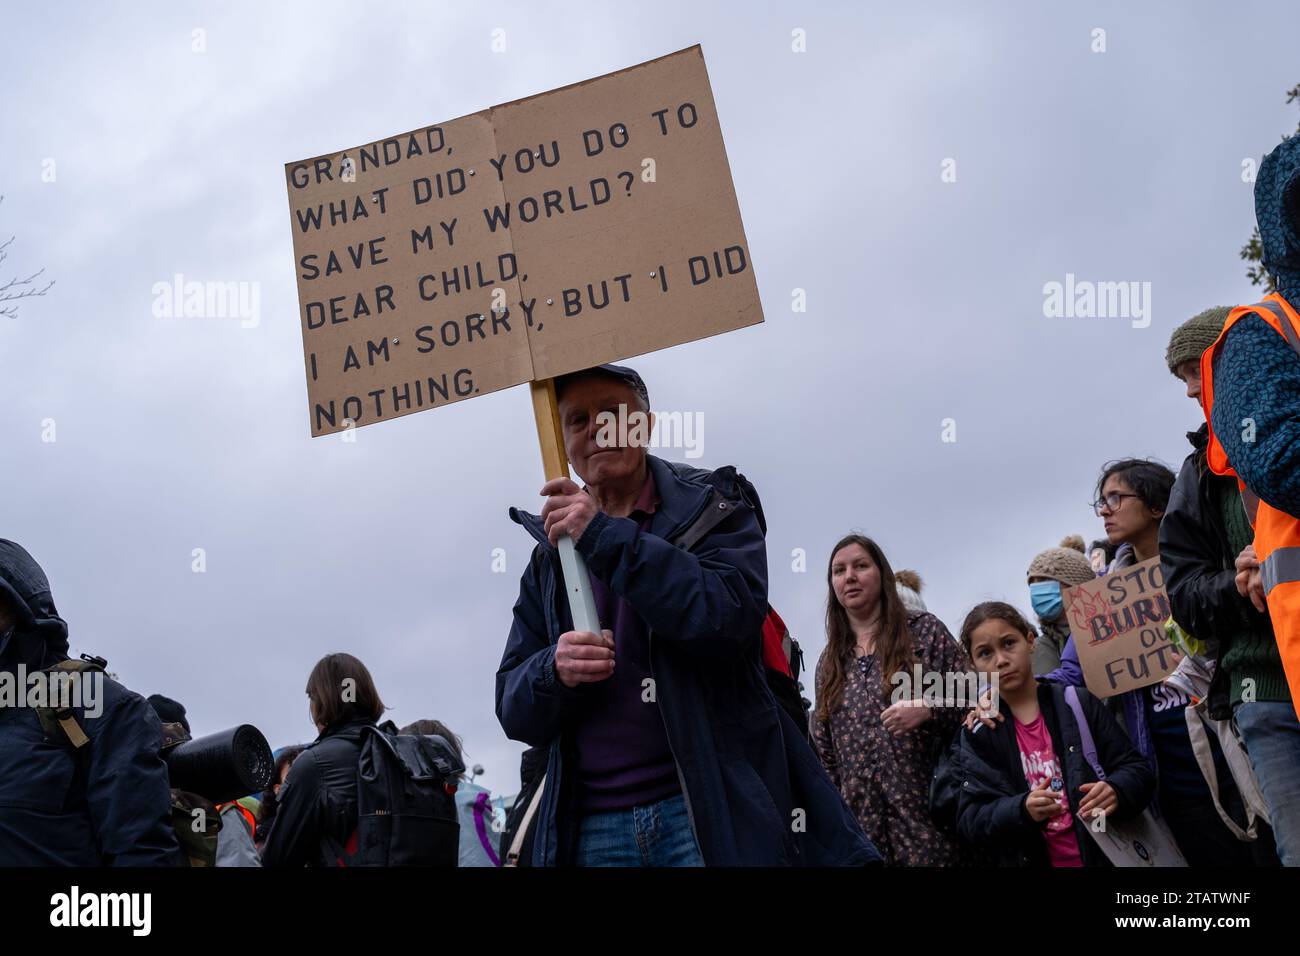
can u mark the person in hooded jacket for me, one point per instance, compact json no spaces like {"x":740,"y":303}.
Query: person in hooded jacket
{"x":1204,"y":530}
{"x":665,"y":745}
{"x":105,"y":803}
{"x":1251,"y":400}
{"x":316,"y":811}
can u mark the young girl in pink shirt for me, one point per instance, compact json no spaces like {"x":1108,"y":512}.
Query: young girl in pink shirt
{"x":1024,"y":788}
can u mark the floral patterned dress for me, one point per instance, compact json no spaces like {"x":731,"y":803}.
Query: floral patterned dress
{"x":885,"y":779}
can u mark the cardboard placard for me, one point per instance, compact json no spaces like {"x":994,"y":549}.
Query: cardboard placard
{"x":1118,"y":625}
{"x":579,"y":226}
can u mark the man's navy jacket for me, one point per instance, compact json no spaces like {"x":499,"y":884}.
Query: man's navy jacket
{"x":756,"y":793}
{"x":107,"y":804}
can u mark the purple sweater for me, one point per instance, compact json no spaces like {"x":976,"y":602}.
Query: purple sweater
{"x":623,"y":758}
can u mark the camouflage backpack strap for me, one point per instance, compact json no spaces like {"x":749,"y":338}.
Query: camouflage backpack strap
{"x":59,"y":723}
{"x":196,"y":822}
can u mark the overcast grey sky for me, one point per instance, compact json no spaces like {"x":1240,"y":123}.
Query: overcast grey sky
{"x":924,"y":302}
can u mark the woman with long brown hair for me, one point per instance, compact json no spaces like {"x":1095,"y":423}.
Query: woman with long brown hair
{"x":877,"y":740}
{"x":317,"y":802}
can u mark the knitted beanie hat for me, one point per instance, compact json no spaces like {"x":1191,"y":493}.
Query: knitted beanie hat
{"x":1067,"y":565}
{"x":911,"y":599}
{"x":908,"y":579}
{"x":1195,"y":336}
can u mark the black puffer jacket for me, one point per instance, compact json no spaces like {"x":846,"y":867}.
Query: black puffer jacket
{"x":980,"y":788}
{"x":317,"y":806}
{"x":106,"y":804}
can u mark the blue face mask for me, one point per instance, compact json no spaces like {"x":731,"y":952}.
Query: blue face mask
{"x":1045,"y":596}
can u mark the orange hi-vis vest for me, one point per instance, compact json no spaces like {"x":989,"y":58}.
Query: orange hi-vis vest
{"x":1277,"y":534}
{"x":243,"y":812}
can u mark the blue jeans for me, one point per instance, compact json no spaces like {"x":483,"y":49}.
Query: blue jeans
{"x":657,"y":834}
{"x":1271,"y":734}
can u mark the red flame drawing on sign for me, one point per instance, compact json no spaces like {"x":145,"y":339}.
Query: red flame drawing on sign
{"x":1084,"y":606}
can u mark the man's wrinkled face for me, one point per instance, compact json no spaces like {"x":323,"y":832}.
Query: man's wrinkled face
{"x":603,"y":442}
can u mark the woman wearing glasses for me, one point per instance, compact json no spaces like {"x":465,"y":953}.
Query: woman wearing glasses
{"x":1132,"y":495}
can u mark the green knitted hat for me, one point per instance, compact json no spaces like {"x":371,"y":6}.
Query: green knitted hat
{"x":1195,"y":336}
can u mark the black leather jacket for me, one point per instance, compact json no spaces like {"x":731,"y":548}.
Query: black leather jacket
{"x":317,"y":806}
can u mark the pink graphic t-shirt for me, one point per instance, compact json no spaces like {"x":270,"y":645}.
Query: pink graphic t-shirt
{"x":1039,"y":761}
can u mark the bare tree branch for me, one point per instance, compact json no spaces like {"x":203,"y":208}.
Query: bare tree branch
{"x":16,"y":289}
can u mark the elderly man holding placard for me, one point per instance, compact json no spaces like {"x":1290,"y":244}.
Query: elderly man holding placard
{"x":531,"y":242}
{"x":666,"y":747}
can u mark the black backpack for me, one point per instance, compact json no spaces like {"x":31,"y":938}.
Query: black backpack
{"x":406,"y":801}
